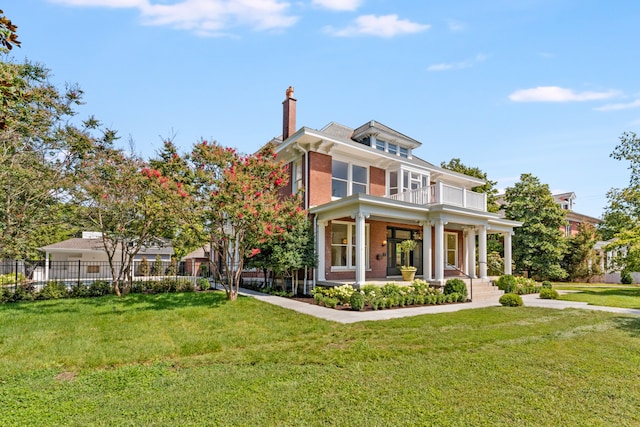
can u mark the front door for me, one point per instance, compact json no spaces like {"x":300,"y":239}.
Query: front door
{"x":395,"y":257}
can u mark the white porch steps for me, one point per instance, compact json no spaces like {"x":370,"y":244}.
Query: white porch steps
{"x":483,"y":290}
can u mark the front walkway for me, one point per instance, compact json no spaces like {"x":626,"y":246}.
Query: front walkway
{"x":346,"y":316}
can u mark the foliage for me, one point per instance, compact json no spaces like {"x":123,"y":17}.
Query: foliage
{"x":10,"y":278}
{"x":241,"y":206}
{"x":456,"y":286}
{"x":506,"y":283}
{"x":53,"y":290}
{"x":489,"y":188}
{"x":581,"y":260}
{"x":511,"y":300}
{"x":546,"y":293}
{"x":39,"y":153}
{"x":547,"y":285}
{"x":143,"y":267}
{"x":406,"y":246}
{"x":538,"y":245}
{"x":495,"y":264}
{"x":626,"y":278}
{"x":356,"y":301}
{"x":8,"y":35}
{"x":158,"y":266}
{"x":129,"y":203}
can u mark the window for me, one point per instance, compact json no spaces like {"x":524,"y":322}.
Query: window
{"x":393,"y":182}
{"x":381,"y":145}
{"x":392,"y":148}
{"x":297,"y":176}
{"x":93,"y":269}
{"x":404,"y":152}
{"x":410,"y":181}
{"x":348,"y":179}
{"x":343,"y":245}
{"x":452,"y":249}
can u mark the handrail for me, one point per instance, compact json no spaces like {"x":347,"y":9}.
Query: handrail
{"x":467,"y":276}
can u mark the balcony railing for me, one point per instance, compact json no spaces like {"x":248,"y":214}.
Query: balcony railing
{"x":444,"y":194}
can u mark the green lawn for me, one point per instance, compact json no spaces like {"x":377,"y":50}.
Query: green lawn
{"x":625,"y":296}
{"x":195,"y":359}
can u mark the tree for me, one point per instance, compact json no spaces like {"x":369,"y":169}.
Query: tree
{"x":128,"y":202}
{"x":241,"y":206}
{"x":158,"y":266}
{"x":489,"y":188}
{"x":8,"y":36}
{"x":39,"y":153}
{"x":621,"y":219}
{"x":581,"y":261}
{"x":539,"y":245}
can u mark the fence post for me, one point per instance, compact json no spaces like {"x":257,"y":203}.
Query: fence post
{"x":16,"y":287}
{"x":79,"y":273}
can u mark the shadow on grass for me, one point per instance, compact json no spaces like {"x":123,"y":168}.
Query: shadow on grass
{"x":629,"y":324}
{"x":135,"y":302}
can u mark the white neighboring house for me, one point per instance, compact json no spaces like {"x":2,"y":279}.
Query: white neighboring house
{"x":611,"y":270}
{"x":85,"y":258}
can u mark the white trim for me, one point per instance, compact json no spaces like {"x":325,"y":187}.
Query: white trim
{"x":350,"y":246}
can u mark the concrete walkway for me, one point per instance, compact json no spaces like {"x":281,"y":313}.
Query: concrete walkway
{"x":347,"y":316}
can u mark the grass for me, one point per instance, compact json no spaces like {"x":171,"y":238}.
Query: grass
{"x":625,"y":296}
{"x":196,"y":359}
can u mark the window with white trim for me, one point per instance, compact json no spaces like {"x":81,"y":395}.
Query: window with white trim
{"x":348,"y":179}
{"x":297,"y":176}
{"x":452,"y":249}
{"x":343,"y":245}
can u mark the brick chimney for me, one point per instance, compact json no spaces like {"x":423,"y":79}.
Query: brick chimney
{"x":288,"y":114}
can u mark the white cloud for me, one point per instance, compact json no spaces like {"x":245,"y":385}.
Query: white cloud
{"x":557,"y":94}
{"x":458,"y":65}
{"x":204,"y":17}
{"x":615,"y":107}
{"x":338,"y":4}
{"x":381,"y":26}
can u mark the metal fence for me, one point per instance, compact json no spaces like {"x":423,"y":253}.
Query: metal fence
{"x":36,"y":272}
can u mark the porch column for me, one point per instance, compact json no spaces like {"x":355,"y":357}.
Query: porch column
{"x":427,"y":253}
{"x":46,"y":267}
{"x":320,"y":244}
{"x":360,"y":248}
{"x":439,"y":249}
{"x":470,"y":250}
{"x":482,"y":251}
{"x":507,"y":253}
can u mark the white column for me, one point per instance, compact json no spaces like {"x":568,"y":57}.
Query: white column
{"x":427,"y":252}
{"x":439,"y":251}
{"x":360,"y":249}
{"x":46,"y":267}
{"x":507,"y":253}
{"x":320,"y":247}
{"x":482,"y":251}
{"x":470,"y":246}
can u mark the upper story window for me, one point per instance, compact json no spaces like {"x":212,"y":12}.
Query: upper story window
{"x":348,"y":179}
{"x":297,"y":176}
{"x":404,"y":180}
{"x":392,"y":148}
{"x":403,"y":152}
{"x":381,"y":145}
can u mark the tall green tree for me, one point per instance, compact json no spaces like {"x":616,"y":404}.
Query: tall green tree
{"x":489,"y":188}
{"x":40,"y":149}
{"x":538,"y":246}
{"x":621,"y":220}
{"x":581,"y":260}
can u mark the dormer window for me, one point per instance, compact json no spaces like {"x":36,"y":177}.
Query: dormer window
{"x":404,"y":152}
{"x":392,"y":148}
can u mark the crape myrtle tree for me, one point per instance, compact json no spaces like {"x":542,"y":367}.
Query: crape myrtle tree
{"x":8,"y":35}
{"x":538,"y":246}
{"x":128,"y":202}
{"x":621,"y":220}
{"x":40,"y":149}
{"x":242,"y":207}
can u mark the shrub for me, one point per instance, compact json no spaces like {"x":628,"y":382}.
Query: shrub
{"x":23,"y":293}
{"x":455,"y":286}
{"x":53,"y":290}
{"x":203,"y":284}
{"x":144,"y":268}
{"x":356,"y":301}
{"x":546,"y":285}
{"x":546,"y":293}
{"x":626,"y":278}
{"x":100,"y":288}
{"x":10,"y":279}
{"x":390,"y":289}
{"x":511,"y":300}
{"x":506,"y":283}
{"x":79,"y":291}
{"x":318,"y":297}
{"x":185,"y":286}
{"x":330,"y":302}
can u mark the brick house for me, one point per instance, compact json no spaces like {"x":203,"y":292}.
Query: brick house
{"x":366,"y":191}
{"x":574,"y":219}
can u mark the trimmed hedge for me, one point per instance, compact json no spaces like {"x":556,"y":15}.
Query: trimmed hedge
{"x":511,"y":300}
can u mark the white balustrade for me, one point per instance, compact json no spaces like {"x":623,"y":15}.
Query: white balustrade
{"x":444,"y":194}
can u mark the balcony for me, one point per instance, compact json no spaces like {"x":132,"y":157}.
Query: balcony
{"x":444,"y":194}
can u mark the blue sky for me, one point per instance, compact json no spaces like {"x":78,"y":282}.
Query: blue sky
{"x":511,"y":86}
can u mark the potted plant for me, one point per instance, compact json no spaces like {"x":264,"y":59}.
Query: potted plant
{"x":408,"y":271}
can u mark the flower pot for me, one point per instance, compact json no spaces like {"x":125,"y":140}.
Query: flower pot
{"x":408,"y":273}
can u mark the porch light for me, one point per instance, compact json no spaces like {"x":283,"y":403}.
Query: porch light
{"x":384,"y":243}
